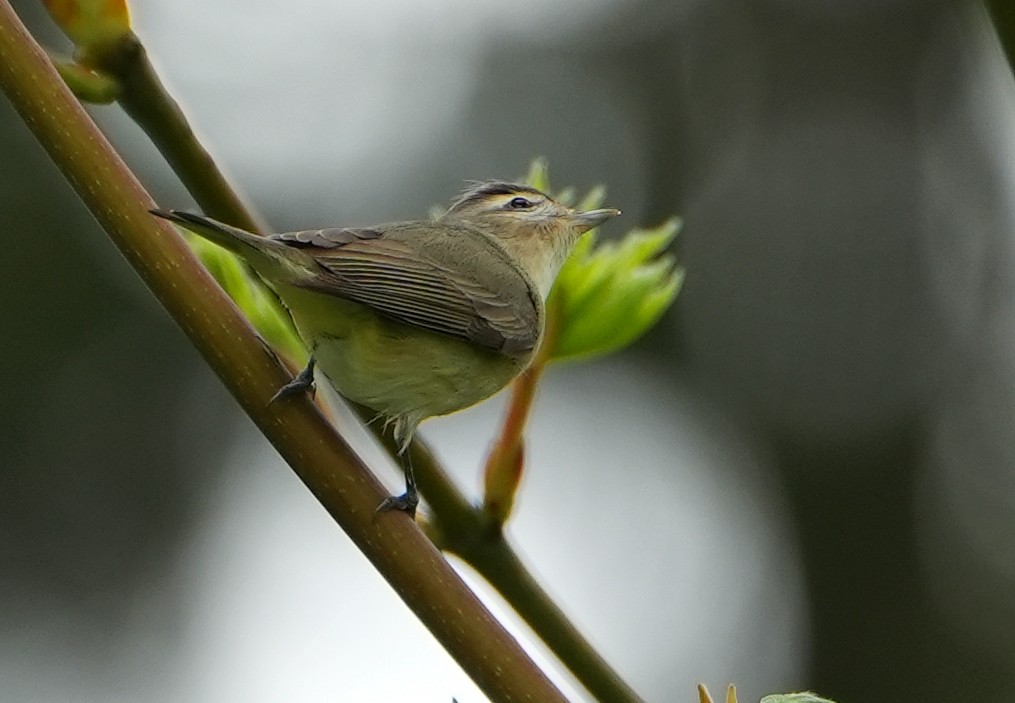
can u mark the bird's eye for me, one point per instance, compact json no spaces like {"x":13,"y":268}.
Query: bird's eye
{"x":520,"y":204}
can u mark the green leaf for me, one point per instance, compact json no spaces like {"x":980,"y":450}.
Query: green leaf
{"x":805,"y":697}
{"x":91,"y":24}
{"x":593,"y":199}
{"x":250,"y":296}
{"x":538,"y":176}
{"x":89,"y":85}
{"x":609,"y":295}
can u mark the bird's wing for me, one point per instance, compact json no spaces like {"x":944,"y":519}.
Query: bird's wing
{"x":397,"y":277}
{"x":328,"y":238}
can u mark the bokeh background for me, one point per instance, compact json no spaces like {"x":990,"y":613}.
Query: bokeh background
{"x":804,"y":477}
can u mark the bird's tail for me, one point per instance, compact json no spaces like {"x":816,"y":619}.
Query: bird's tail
{"x":270,"y":258}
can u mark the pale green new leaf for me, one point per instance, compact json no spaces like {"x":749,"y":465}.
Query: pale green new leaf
{"x":805,"y":697}
{"x":250,"y":296}
{"x":609,"y":295}
{"x":88,"y":84}
{"x":538,"y":176}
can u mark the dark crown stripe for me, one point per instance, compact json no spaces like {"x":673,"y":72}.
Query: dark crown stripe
{"x":477,"y":191}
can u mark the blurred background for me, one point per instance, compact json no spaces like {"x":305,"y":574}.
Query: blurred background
{"x":803,"y":478}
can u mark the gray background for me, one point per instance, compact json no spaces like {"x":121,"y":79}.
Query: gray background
{"x":802,"y":478}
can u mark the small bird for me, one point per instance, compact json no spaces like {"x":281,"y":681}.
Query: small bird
{"x":422,"y":318}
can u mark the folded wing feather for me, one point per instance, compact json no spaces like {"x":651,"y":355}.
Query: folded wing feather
{"x":392,"y":276}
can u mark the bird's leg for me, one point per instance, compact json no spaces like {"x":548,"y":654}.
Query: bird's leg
{"x":408,"y":501}
{"x":303,"y":383}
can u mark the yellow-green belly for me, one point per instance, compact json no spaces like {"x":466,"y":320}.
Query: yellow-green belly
{"x":393,"y":368}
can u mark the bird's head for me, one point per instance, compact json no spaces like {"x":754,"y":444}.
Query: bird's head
{"x":513,"y":206}
{"x":536,"y":229}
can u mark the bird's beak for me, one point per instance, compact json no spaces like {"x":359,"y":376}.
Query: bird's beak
{"x":585,"y":221}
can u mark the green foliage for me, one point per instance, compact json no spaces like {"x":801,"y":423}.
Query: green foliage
{"x":611,"y":294}
{"x":608,"y":295}
{"x":92,"y":25}
{"x":250,"y":296}
{"x":805,"y":697}
{"x":95,"y":27}
{"x":88,"y":84}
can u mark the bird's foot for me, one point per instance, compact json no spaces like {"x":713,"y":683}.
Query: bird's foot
{"x":407,"y":503}
{"x":303,"y":383}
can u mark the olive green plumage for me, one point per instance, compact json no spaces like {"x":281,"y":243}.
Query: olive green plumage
{"x":418,"y":319}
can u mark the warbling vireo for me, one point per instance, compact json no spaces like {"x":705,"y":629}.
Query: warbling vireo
{"x":423,"y":318}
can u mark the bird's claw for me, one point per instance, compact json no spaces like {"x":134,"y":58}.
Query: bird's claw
{"x":303,"y":383}
{"x":407,"y":503}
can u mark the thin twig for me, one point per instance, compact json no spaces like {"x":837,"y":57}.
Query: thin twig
{"x":143,"y":97}
{"x":484,"y":548}
{"x":506,"y":460}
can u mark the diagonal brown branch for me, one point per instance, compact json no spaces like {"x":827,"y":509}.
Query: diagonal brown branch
{"x":320,"y":457}
{"x":471,"y":532}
